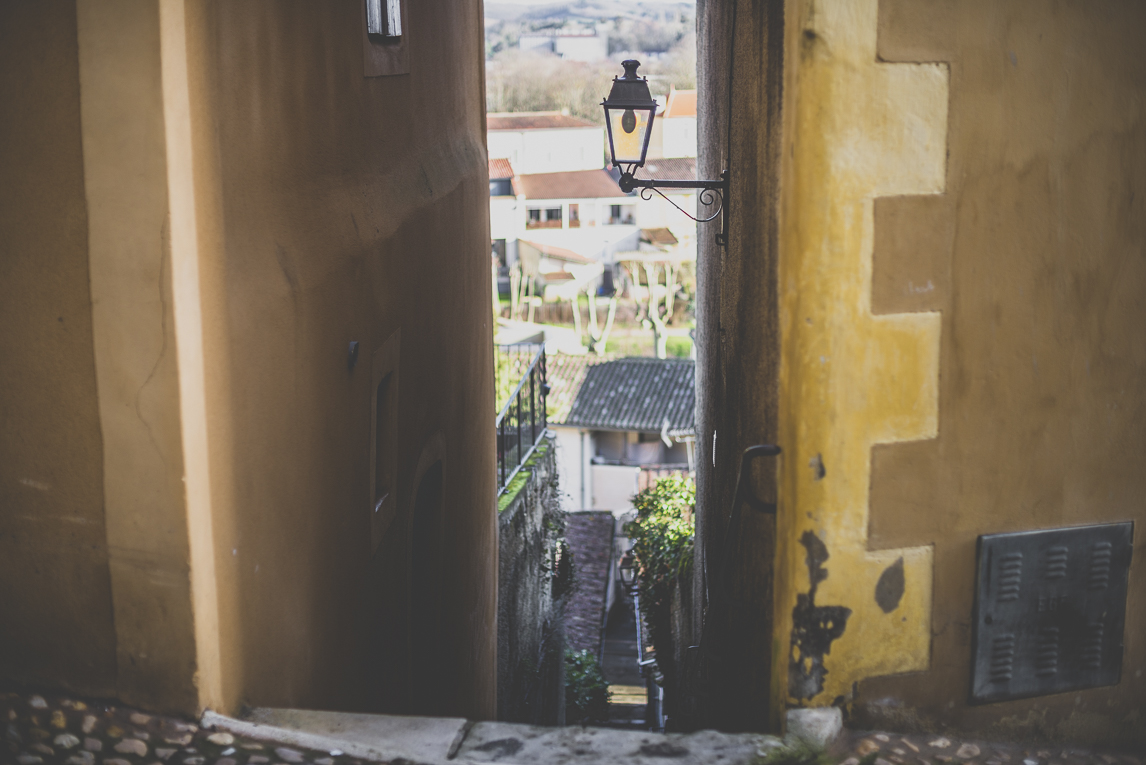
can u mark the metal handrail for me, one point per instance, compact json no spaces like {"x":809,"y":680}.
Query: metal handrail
{"x":537,"y":356}
{"x":537,"y":392}
{"x":641,"y":661}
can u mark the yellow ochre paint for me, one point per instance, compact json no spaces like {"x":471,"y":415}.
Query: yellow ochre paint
{"x":856,"y":129}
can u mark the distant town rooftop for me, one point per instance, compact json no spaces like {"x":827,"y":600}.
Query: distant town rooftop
{"x":667,"y":169}
{"x":500,"y":169}
{"x":534,"y":121}
{"x":574,"y":184}
{"x":681,"y":103}
{"x":637,"y":394}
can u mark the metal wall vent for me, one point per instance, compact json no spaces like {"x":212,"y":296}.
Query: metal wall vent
{"x":1049,"y":611}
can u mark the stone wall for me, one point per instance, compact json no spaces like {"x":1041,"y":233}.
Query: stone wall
{"x":534,"y":574}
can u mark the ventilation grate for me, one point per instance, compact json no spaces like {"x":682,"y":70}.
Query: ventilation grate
{"x":1054,"y":624}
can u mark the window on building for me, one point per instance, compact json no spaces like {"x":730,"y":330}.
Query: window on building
{"x":384,"y":17}
{"x":497,"y":250}
{"x":543,"y":217}
{"x":500,"y":187}
{"x":574,"y":216}
{"x":621,"y":215}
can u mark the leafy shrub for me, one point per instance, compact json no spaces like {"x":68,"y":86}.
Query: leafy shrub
{"x":586,"y":690}
{"x":662,"y":536}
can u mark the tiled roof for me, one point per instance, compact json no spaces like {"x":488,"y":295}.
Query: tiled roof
{"x":681,"y":103}
{"x":575,"y":184}
{"x":565,"y":374}
{"x":662,"y":236}
{"x":534,"y":121}
{"x":637,"y":394}
{"x":500,"y":169}
{"x":668,"y":169}
{"x":590,"y":537}
{"x":558,"y":253}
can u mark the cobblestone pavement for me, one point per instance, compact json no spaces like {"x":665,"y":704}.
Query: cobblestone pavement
{"x":49,"y":729}
{"x":919,"y":749}
{"x":46,"y":729}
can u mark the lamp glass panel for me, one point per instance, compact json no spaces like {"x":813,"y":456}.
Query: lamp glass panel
{"x":628,"y":144}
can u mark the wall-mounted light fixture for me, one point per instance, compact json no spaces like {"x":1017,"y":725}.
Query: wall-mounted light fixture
{"x":629,"y":113}
{"x":628,"y":570}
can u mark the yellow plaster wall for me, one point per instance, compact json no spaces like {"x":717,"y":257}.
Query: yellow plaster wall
{"x":856,"y":129}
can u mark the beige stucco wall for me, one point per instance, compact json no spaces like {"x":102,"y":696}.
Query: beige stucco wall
{"x":932,"y":300}
{"x":335,"y":207}
{"x":53,"y":547}
{"x":254,"y":203}
{"x":1034,"y":256}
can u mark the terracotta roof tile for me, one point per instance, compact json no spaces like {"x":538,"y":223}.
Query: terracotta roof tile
{"x":681,"y":103}
{"x":670,"y":169}
{"x":575,"y":184}
{"x":661,"y":236}
{"x":500,"y":169}
{"x":558,"y":253}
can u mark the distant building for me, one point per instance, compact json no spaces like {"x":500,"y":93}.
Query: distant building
{"x":573,"y":47}
{"x":658,"y":212}
{"x":506,"y":216}
{"x":545,"y":142}
{"x":620,"y":423}
{"x":584,"y":211}
{"x":678,"y":124}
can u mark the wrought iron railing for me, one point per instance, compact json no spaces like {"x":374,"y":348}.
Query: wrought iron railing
{"x":522,"y":420}
{"x":510,"y":364}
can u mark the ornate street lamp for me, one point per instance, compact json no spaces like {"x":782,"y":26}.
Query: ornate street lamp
{"x":629,"y":113}
{"x":628,"y":573}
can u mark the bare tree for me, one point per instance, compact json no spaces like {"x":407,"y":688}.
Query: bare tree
{"x":598,"y":337}
{"x":659,"y":306}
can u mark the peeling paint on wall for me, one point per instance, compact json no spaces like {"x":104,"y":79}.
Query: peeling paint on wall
{"x":814,"y":628}
{"x":857,"y":129}
{"x":889,"y":588}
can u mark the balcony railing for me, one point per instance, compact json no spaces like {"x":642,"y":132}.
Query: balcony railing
{"x":650,"y":474}
{"x":522,"y":420}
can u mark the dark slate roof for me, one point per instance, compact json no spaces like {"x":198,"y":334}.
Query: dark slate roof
{"x":637,"y":394}
{"x":566,"y":375}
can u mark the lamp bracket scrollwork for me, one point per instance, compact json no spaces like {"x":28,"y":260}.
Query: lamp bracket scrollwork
{"x":711,"y":192}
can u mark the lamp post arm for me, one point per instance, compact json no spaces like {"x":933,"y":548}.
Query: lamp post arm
{"x":710,"y":192}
